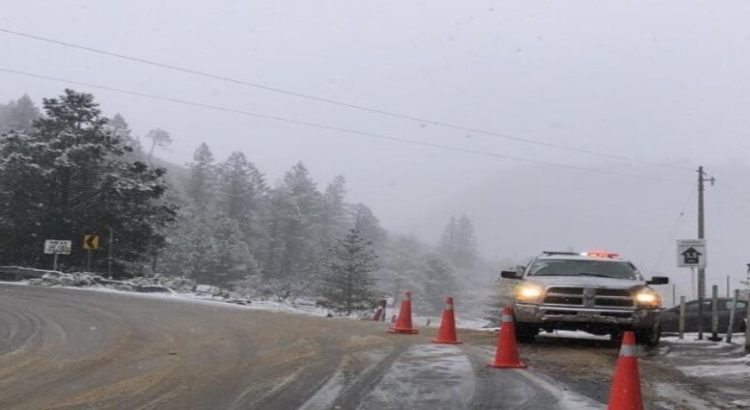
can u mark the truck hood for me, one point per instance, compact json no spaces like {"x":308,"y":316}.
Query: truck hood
{"x":585,"y":281}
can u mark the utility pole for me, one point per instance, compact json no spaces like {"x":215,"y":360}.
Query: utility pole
{"x":701,"y":235}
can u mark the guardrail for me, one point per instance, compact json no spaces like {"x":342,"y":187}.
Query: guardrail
{"x":16,"y":273}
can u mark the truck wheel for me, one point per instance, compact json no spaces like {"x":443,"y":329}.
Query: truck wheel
{"x":615,"y":337}
{"x":649,"y":337}
{"x":525,"y":333}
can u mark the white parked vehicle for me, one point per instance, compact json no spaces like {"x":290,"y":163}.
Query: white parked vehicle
{"x":596,"y":292}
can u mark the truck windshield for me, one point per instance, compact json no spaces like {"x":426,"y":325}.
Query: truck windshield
{"x":569,"y":267}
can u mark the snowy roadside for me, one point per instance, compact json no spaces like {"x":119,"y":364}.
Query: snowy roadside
{"x":156,"y":289}
{"x":185,"y":290}
{"x":725,"y":367}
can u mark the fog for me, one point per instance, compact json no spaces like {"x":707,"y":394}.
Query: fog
{"x":661,"y":84}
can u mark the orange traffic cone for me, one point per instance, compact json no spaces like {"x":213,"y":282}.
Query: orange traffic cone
{"x":403,"y":323}
{"x":625,"y":393}
{"x":506,"y":356}
{"x":447,"y":332}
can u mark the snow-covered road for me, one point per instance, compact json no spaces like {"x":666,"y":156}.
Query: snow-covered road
{"x":74,"y":348}
{"x":81,"y":349}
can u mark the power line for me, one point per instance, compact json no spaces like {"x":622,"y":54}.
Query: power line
{"x":331,"y":127}
{"x":738,"y":194}
{"x":741,"y":209}
{"x":340,"y":103}
{"x":673,"y":232}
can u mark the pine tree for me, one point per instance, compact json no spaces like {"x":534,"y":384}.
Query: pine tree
{"x":347,"y":284}
{"x":294,"y":225}
{"x":70,"y":177}
{"x":438,"y":281}
{"x":368,"y":225}
{"x":202,"y":183}
{"x":120,"y":129}
{"x":335,"y":221}
{"x":18,"y":115}
{"x":210,"y":250}
{"x":449,"y":238}
{"x":241,"y":188}
{"x":159,"y":138}
{"x":458,"y":243}
{"x":465,"y":254}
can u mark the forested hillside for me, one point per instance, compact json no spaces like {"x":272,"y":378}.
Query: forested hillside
{"x":67,"y":170}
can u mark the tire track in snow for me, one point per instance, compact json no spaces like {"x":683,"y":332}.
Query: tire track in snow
{"x":424,"y":377}
{"x":519,"y":388}
{"x":356,"y":376}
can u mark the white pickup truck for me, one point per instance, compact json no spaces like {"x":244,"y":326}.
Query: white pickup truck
{"x":596,"y":292}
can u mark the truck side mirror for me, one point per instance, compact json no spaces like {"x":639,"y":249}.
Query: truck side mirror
{"x":510,"y":274}
{"x":658,"y":280}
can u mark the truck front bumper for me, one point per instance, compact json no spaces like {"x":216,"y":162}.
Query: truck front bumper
{"x":550,"y":315}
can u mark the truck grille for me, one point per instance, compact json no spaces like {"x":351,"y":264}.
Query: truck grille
{"x":589,"y":297}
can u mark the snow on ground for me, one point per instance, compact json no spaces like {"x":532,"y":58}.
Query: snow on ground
{"x":675,"y":394}
{"x":461,"y":322}
{"x":724,"y":366}
{"x":433,"y":376}
{"x":704,"y":358}
{"x":567,"y":399}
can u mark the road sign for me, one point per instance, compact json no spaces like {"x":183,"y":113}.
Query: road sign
{"x":57,"y":247}
{"x":91,"y":242}
{"x":691,"y":253}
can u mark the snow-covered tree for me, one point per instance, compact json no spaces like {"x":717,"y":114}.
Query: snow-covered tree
{"x":293,"y":226}
{"x":159,"y":138}
{"x":438,"y":281}
{"x":368,"y":225}
{"x":335,"y":219}
{"x":209,"y":250}
{"x":18,"y":115}
{"x":347,"y":284}
{"x":458,"y":242}
{"x":240,"y":193}
{"x":120,"y":128}
{"x":202,"y":183}
{"x":69,"y":177}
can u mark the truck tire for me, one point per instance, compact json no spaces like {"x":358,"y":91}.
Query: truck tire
{"x":525,"y":332}
{"x":649,"y":336}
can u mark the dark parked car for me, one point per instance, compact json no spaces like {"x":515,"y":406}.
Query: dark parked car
{"x":670,"y":318}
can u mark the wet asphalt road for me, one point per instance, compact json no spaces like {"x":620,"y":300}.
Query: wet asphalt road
{"x":82,"y":349}
{"x":77,"y":349}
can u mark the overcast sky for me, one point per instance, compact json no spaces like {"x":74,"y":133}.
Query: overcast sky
{"x":663,"y":82}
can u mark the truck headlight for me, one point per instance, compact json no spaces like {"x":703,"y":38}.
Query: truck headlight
{"x":648,"y":298}
{"x":528,"y":292}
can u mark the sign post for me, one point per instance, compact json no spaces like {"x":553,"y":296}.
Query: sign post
{"x":691,"y":253}
{"x":56,"y":247}
{"x":90,"y":243}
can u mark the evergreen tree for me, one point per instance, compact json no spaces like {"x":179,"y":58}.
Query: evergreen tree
{"x":69,"y":177}
{"x":293,"y":226}
{"x":241,"y":188}
{"x":368,"y":225}
{"x":202,"y":183}
{"x":465,"y":254}
{"x":347,"y":284}
{"x":449,"y":238}
{"x":159,"y":138}
{"x":120,"y":128}
{"x":209,"y":250}
{"x":458,"y":242}
{"x":335,"y":221}
{"x":438,"y":281}
{"x":18,"y":115}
